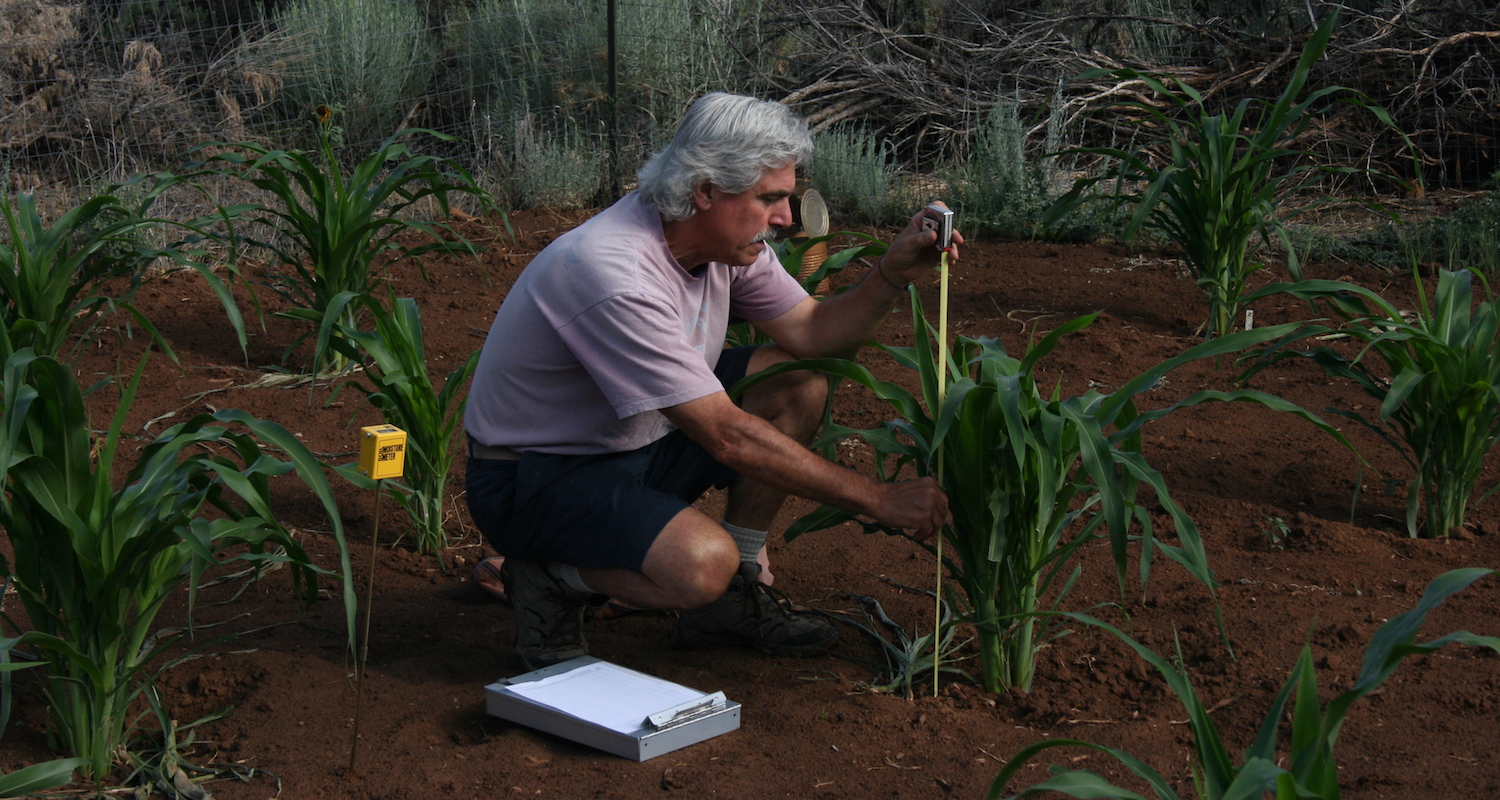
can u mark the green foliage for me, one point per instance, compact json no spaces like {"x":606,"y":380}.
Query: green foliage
{"x":52,"y":277}
{"x":904,"y":657}
{"x":855,"y":170}
{"x":372,"y":58}
{"x":791,"y":254}
{"x":36,"y":778}
{"x":1435,"y":372}
{"x":536,"y":72}
{"x":523,"y":56}
{"x":685,"y":39}
{"x":398,"y":385}
{"x":1470,"y":236}
{"x":1224,"y":176}
{"x":539,"y":72}
{"x":93,"y":564}
{"x":1466,"y":237}
{"x":998,"y":190}
{"x":1030,"y":477}
{"x":556,"y":171}
{"x":329,"y":227}
{"x":1312,"y":771}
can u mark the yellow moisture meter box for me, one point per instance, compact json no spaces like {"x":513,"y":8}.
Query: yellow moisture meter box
{"x":382,"y":451}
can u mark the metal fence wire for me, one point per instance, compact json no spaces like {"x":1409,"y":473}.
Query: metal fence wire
{"x":560,"y":102}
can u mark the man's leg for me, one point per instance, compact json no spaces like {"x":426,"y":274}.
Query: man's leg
{"x":692,"y":559}
{"x":749,"y":613}
{"x":695,"y":561}
{"x":688,"y":566}
{"x":585,"y":515}
{"x":793,"y":403}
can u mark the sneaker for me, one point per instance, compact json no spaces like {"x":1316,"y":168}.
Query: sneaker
{"x":549,"y":614}
{"x":755,"y":614}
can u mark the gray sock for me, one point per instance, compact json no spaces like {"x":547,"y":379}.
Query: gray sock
{"x":750,"y":541}
{"x":568,"y":574}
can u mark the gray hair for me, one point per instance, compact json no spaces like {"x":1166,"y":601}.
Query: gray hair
{"x":725,"y":140}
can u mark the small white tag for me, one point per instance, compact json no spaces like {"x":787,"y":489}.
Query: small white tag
{"x":1249,"y":318}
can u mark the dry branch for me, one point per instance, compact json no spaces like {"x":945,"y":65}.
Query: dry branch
{"x":926,"y":90}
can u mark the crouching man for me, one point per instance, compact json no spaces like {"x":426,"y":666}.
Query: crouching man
{"x":599,"y":411}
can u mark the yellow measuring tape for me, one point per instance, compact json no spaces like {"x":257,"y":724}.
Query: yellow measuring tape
{"x":942,"y":394}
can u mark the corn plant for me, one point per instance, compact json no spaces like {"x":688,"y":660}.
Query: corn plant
{"x":40,"y":777}
{"x":1435,"y":373}
{"x":1031,"y":478}
{"x":93,"y":563}
{"x":792,"y":257}
{"x":1223,"y":178}
{"x":52,"y":277}
{"x":904,"y":657}
{"x":328,"y":227}
{"x":399,"y":385}
{"x":1307,"y":769}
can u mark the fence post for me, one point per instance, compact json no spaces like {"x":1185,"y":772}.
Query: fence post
{"x":614,"y":105}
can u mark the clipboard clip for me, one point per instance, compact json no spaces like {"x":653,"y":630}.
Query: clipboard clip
{"x":684,"y":713}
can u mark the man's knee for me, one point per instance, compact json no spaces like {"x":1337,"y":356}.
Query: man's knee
{"x":793,"y":401}
{"x":706,"y":582}
{"x":694,"y":569}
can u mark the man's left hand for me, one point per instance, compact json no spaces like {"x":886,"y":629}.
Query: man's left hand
{"x":913,"y":252}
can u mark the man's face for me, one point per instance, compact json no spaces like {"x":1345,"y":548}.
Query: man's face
{"x":738,"y":224}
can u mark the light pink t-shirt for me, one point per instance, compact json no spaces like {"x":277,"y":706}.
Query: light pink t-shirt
{"x":603,"y":329}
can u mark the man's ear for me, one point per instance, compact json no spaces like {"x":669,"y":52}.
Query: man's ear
{"x":703,"y":196}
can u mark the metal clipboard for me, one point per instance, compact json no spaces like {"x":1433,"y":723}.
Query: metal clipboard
{"x":661,"y":731}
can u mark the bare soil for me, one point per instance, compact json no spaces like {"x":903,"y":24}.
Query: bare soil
{"x":1271,"y":495}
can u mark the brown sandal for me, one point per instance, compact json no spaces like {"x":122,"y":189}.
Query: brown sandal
{"x":487,"y":575}
{"x":614,"y":609}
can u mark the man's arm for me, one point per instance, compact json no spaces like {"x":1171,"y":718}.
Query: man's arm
{"x":838,"y":326}
{"x":754,"y":448}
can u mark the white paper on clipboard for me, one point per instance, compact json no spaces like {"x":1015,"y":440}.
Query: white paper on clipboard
{"x":607,"y":695}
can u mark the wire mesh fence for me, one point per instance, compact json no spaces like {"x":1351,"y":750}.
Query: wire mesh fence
{"x":554,"y":103}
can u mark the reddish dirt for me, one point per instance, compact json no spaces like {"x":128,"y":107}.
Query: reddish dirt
{"x":811,"y":727}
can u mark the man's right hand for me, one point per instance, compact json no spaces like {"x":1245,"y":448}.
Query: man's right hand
{"x":919,"y":506}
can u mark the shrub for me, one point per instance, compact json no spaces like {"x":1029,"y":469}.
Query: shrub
{"x":1471,"y":234}
{"x":522,"y":57}
{"x":855,"y":170}
{"x":542,"y":67}
{"x":555,"y":170}
{"x":998,"y":190}
{"x":370,"y":57}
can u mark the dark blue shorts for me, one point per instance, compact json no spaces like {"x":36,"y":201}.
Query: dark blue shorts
{"x":595,"y":511}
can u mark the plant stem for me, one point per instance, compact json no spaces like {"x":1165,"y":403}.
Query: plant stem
{"x":1023,"y":663}
{"x":991,"y":655}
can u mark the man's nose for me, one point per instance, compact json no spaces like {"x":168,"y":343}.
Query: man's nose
{"x":781,"y":213}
